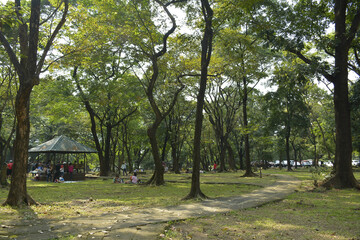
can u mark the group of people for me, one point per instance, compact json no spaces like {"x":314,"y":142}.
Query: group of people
{"x":133,"y":179}
{"x":53,"y":173}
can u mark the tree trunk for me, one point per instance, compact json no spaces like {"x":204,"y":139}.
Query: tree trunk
{"x":222,"y":151}
{"x":248,"y":170}
{"x":105,"y":167}
{"x":175,"y":155}
{"x":128,"y":154}
{"x":231,"y":158}
{"x":3,"y":175}
{"x":158,"y":176}
{"x":18,"y":192}
{"x":287,"y":146}
{"x":163,"y":153}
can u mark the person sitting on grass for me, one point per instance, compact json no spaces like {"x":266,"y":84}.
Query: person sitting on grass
{"x":133,"y":179}
{"x":117,"y":179}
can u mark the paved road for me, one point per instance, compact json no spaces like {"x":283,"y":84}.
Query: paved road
{"x":149,"y":223}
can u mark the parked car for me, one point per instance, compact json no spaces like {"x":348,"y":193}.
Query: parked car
{"x":355,"y":163}
{"x":306,"y":163}
{"x":328,"y":164}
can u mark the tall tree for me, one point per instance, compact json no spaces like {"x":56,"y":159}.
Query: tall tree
{"x":206,"y":50}
{"x":289,"y":111}
{"x":28,"y":66}
{"x":154,"y":46}
{"x":347,"y":22}
{"x":286,"y":30}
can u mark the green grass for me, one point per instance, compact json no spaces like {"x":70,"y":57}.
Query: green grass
{"x":93,"y":196}
{"x":307,"y":214}
{"x":310,"y":213}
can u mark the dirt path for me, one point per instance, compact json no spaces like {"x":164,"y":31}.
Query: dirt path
{"x":148,"y":223}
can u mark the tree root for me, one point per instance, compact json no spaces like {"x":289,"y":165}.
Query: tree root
{"x":250,"y":174}
{"x":199,"y":196}
{"x":26,"y":201}
{"x":336,"y":182}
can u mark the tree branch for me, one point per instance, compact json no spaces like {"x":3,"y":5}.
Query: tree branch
{"x":308,"y":61}
{"x":53,"y":35}
{"x":11,"y":54}
{"x":353,"y":29}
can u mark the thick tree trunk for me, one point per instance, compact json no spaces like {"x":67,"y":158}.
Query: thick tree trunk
{"x":344,"y":177}
{"x":158,"y":176}
{"x":18,"y":192}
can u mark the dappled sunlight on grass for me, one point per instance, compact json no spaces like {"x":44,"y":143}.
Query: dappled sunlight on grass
{"x":91,"y":197}
{"x":310,"y":213}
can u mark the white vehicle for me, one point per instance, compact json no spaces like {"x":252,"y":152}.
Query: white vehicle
{"x":306,"y":163}
{"x":355,"y":163}
{"x":328,"y":164}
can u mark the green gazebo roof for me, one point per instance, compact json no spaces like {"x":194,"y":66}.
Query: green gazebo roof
{"x":61,"y":144}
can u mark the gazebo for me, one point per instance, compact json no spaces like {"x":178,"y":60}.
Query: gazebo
{"x":64,"y":145}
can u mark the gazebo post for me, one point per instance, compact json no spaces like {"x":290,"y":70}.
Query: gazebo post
{"x":85,"y":163}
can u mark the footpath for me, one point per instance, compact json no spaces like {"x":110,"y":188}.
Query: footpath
{"x":150,"y":222}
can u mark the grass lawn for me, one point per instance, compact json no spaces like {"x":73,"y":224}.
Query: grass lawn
{"x":310,"y":213}
{"x":91,"y":197}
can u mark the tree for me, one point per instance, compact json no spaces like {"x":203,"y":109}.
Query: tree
{"x":206,"y":50}
{"x":28,"y":67}
{"x":321,"y":107}
{"x":347,"y":22}
{"x":289,"y":32}
{"x":288,"y":106}
{"x":221,"y":106}
{"x":154,"y":46}
{"x":108,"y":101}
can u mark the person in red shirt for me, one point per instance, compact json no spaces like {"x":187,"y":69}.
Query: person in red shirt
{"x":71,"y":170}
{"x":215,"y":166}
{"x":9,"y":168}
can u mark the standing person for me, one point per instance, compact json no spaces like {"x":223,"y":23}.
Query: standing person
{"x":71,"y":170}
{"x":9,"y":168}
{"x":62,"y":171}
{"x":215,"y":166}
{"x":48,"y":173}
{"x":123,"y":167}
